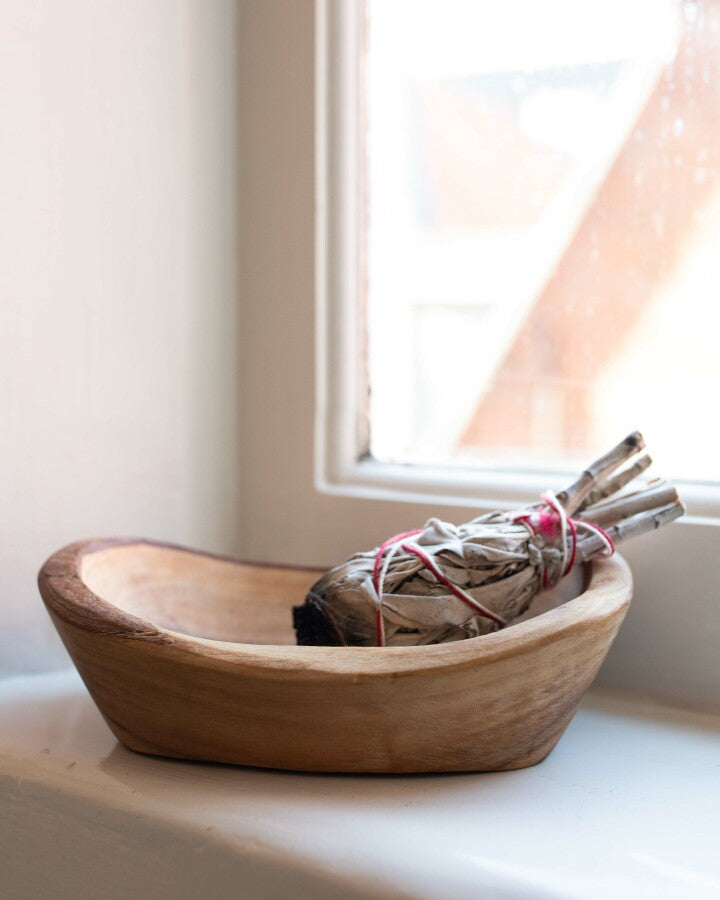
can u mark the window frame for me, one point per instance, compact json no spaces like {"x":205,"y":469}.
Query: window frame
{"x":342,"y":463}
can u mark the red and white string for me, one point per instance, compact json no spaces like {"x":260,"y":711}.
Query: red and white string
{"x":387,"y":550}
{"x":545,"y":519}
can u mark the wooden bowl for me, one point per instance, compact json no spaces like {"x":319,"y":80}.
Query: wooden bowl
{"x":192,"y":656}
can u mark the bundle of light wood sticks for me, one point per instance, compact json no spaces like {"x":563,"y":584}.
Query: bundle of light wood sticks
{"x":444,"y":582}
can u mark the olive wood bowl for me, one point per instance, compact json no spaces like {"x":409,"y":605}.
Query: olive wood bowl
{"x":190,"y":655}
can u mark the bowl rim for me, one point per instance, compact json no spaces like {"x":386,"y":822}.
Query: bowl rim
{"x":69,"y":599}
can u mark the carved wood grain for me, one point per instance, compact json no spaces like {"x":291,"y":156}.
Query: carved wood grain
{"x":191,"y":655}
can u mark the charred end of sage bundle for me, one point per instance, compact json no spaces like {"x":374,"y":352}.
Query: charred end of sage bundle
{"x":447,"y":582}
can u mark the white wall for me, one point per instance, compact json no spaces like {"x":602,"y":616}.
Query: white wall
{"x":118,"y":303}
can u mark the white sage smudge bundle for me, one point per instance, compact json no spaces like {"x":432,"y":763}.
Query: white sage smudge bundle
{"x":446,"y":582}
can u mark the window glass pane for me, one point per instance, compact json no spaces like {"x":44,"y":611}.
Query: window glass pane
{"x":542,"y":185}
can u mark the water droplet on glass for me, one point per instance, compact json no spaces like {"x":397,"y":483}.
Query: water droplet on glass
{"x":678,"y":127}
{"x":690,"y":11}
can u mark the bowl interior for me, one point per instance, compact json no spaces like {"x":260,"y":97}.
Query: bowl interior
{"x":199,"y":595}
{"x":208,"y":597}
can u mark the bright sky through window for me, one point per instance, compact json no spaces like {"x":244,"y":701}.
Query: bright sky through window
{"x":542,"y":188}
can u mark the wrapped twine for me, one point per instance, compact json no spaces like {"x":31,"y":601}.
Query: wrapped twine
{"x":445,"y":582}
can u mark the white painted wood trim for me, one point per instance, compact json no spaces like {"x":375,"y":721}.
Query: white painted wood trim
{"x":341,"y":464}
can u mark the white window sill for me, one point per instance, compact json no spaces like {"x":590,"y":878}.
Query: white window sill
{"x":625,"y":805}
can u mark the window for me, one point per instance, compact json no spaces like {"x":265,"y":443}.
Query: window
{"x":542,"y":218}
